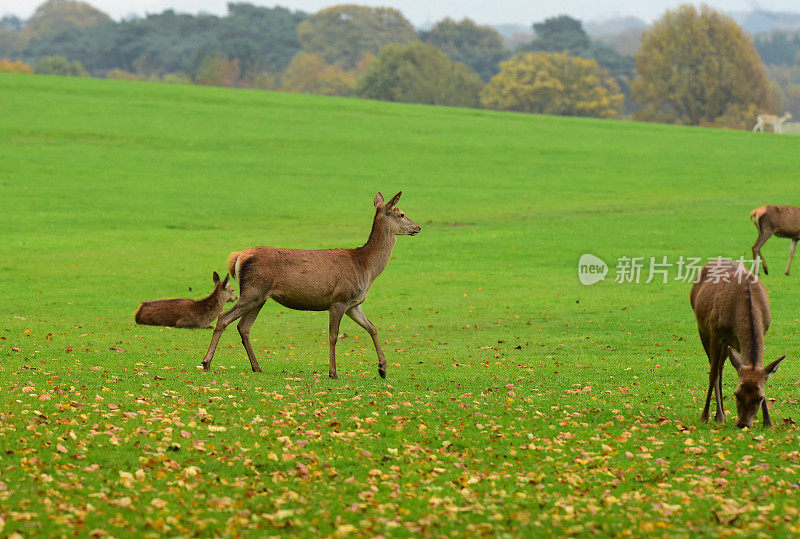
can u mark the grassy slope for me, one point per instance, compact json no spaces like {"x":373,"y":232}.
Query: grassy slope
{"x":118,"y":192}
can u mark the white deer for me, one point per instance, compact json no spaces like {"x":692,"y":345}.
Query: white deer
{"x":770,"y":119}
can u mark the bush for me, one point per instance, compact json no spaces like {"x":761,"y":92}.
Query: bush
{"x":58,"y":65}
{"x":12,"y":66}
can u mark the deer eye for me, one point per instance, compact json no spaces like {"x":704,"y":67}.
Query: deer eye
{"x":402,"y":214}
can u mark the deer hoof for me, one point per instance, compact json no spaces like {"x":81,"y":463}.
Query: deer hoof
{"x":382,"y":373}
{"x":332,"y":376}
{"x":256,"y":369}
{"x":704,"y":418}
{"x":206,"y":366}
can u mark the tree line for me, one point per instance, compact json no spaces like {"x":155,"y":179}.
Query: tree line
{"x":694,"y":66}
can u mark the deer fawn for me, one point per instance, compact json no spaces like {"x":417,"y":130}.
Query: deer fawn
{"x":782,"y":221}
{"x":187,"y":313}
{"x":732,"y":312}
{"x":334,"y":280}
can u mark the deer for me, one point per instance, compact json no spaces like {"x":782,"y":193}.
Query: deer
{"x":333,"y":280}
{"x":187,"y":313}
{"x":782,"y":221}
{"x":732,"y":311}
{"x":770,"y":119}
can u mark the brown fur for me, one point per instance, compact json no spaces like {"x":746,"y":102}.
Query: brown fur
{"x":783,"y":222}
{"x":336,"y":280}
{"x":734,"y":316}
{"x":186,"y":313}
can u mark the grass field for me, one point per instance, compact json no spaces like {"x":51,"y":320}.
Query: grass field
{"x":517,"y":400}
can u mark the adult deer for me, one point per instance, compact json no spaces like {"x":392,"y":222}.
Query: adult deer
{"x":334,"y":280}
{"x":732,"y":312}
{"x":187,"y":313}
{"x":776,"y":122}
{"x":782,"y":221}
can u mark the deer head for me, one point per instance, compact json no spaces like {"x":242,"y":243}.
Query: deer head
{"x":224,"y":288}
{"x":396,"y":220}
{"x":750,"y":391}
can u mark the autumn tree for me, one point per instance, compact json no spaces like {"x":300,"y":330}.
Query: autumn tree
{"x":419,"y":73}
{"x":553,"y":83}
{"x":479,"y":47}
{"x":696,"y":67}
{"x":309,"y":74}
{"x":343,"y":34}
{"x":216,"y":69}
{"x":55,"y":16}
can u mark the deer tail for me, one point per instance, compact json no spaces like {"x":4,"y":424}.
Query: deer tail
{"x":756,"y":216}
{"x":233,"y":263}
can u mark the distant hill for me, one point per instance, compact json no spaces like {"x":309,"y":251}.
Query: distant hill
{"x":615,"y":26}
{"x":758,"y":22}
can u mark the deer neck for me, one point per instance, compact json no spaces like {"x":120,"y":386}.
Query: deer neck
{"x":214,"y":301}
{"x":376,"y":252}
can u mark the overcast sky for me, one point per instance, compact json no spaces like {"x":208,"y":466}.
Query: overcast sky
{"x":420,"y":12}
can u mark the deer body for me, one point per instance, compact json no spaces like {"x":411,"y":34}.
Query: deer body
{"x":336,"y":280}
{"x":732,"y":312}
{"x":776,"y":122}
{"x":781,"y":221}
{"x":186,"y":313}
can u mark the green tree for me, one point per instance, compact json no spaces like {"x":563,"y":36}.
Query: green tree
{"x":553,"y":83}
{"x":58,"y":65}
{"x":55,"y":16}
{"x":695,"y":67}
{"x":309,"y":74}
{"x":479,"y":47}
{"x":260,"y":38}
{"x":565,"y":34}
{"x":419,"y":73}
{"x":343,"y":34}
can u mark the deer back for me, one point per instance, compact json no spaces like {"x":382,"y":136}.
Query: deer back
{"x":730,"y":304}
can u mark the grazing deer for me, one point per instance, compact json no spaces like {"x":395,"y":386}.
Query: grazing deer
{"x":732,"y":312}
{"x":782,"y":221}
{"x":187,"y":313}
{"x":334,"y":280}
{"x":770,"y":119}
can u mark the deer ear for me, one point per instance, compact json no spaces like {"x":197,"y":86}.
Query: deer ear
{"x":772,"y":367}
{"x":378,"y":199}
{"x":225,"y":282}
{"x":736,"y":359}
{"x":393,"y":201}
{"x":215,"y":276}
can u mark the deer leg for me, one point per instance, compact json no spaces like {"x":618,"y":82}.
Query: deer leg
{"x":713,"y":374}
{"x":336,"y":312}
{"x":242,"y":306}
{"x":765,"y":414}
{"x":361,"y":319}
{"x":791,"y":255}
{"x":706,"y":345}
{"x":244,"y":331}
{"x":763,"y":236}
{"x":720,"y":415}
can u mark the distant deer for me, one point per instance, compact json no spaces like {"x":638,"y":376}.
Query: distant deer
{"x":732,"y":312}
{"x":334,"y":280}
{"x":187,"y":313}
{"x":770,"y":119}
{"x":782,"y":221}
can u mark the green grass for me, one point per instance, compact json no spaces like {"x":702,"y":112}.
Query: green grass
{"x":517,"y":400}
